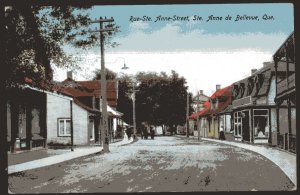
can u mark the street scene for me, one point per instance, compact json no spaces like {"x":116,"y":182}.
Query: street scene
{"x":148,"y":98}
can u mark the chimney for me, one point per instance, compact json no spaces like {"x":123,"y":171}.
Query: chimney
{"x":253,"y":71}
{"x":201,"y":92}
{"x":218,"y":87}
{"x":70,"y":75}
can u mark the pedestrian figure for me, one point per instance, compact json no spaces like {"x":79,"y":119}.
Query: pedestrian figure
{"x":152,"y":132}
{"x":222,"y":134}
{"x":128,"y":132}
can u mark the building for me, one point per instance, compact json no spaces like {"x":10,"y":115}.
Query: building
{"x":226,"y":122}
{"x":26,"y":118}
{"x":69,"y":122}
{"x":254,"y":108}
{"x":198,"y":106}
{"x":87,"y":95}
{"x":219,"y":101}
{"x":211,"y":120}
{"x":202,"y":119}
{"x":285,"y":96}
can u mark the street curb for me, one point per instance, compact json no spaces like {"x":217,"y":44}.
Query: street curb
{"x":15,"y":169}
{"x":293,"y":179}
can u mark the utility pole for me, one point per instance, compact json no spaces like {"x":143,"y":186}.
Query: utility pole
{"x":104,"y":123}
{"x":198,"y":128}
{"x":133,"y":113}
{"x":187,"y":115}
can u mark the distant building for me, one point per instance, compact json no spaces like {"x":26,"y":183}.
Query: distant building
{"x":198,"y":105}
{"x":211,"y":120}
{"x":219,"y":101}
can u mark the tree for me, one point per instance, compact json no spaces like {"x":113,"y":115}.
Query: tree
{"x":35,"y":36}
{"x":161,"y":99}
{"x":110,"y":75}
{"x":124,"y":103}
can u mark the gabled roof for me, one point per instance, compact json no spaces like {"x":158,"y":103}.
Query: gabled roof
{"x":89,"y":89}
{"x":206,"y":106}
{"x":224,"y":92}
{"x":225,"y":96}
{"x":79,"y":103}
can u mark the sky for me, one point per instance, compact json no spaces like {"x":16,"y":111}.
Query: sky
{"x":195,"y":41}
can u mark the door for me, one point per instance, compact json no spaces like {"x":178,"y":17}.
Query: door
{"x":246,"y":125}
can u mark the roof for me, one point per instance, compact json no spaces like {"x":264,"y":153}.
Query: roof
{"x":79,"y":89}
{"x":224,"y":92}
{"x":95,"y":87}
{"x":89,"y":89}
{"x":257,"y":84}
{"x":224,"y":97}
{"x":228,"y":109}
{"x":286,"y":49}
{"x":79,"y":103}
{"x":206,"y":106}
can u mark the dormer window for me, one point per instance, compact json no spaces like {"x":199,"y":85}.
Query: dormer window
{"x":235,"y":91}
{"x":242,"y":89}
{"x":250,"y":86}
{"x":260,"y":80}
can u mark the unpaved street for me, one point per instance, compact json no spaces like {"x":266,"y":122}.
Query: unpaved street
{"x":163,"y":164}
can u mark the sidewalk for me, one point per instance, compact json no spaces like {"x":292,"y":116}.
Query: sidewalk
{"x":78,"y":152}
{"x":286,"y":161}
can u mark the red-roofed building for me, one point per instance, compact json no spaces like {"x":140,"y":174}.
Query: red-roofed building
{"x":198,"y":104}
{"x":210,"y":118}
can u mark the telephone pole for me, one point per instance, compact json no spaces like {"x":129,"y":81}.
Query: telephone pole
{"x":104,"y":121}
{"x":198,"y":126}
{"x":133,"y":113}
{"x":187,"y":114}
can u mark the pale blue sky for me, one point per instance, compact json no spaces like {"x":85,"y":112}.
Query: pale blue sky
{"x":283,"y":24}
{"x":205,"y":53}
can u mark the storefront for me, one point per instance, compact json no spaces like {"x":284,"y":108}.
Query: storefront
{"x":254,"y":116}
{"x":252,"y":124}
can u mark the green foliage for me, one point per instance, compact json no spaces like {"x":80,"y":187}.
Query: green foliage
{"x":124,"y":104}
{"x":110,"y":75}
{"x":39,"y":33}
{"x":160,"y":99}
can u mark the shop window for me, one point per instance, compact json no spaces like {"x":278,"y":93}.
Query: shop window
{"x":64,"y":127}
{"x":238,"y":124}
{"x":261,"y":123}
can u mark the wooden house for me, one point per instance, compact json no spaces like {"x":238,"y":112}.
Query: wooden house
{"x":285,"y":95}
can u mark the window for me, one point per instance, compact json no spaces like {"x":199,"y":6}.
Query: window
{"x":64,"y":127}
{"x":261,"y":123}
{"x":238,"y":124}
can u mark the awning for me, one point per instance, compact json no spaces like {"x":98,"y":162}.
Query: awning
{"x":114,"y":112}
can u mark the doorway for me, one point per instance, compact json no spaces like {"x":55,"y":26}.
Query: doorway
{"x":246,"y":125}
